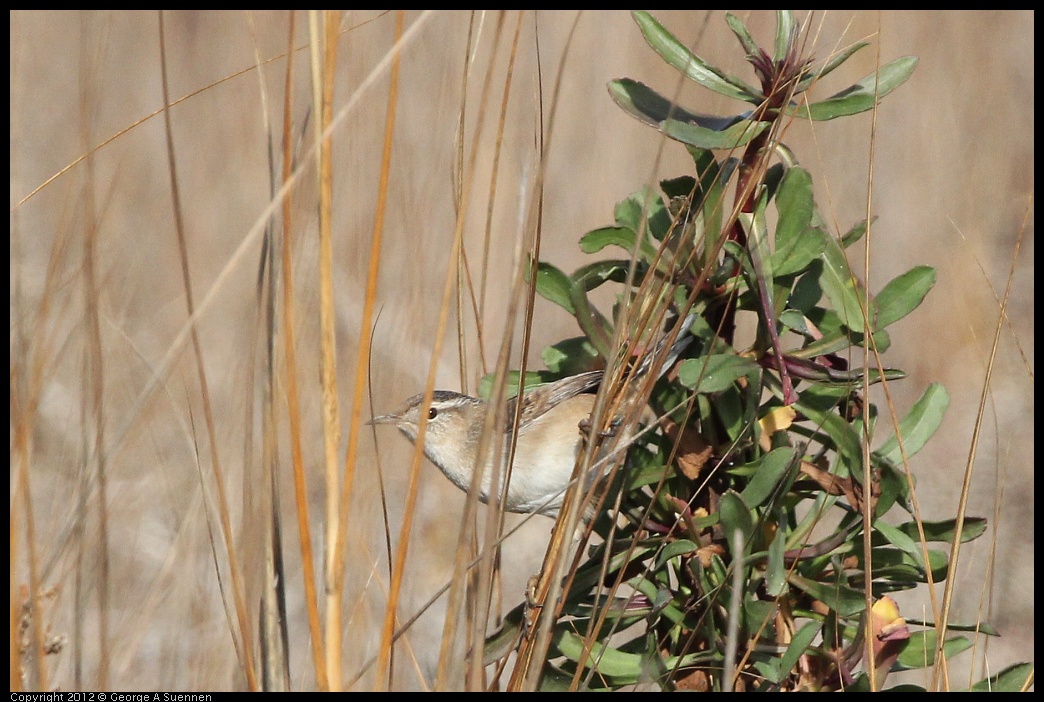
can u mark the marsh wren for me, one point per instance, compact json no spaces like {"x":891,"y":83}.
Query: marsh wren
{"x":549,"y":439}
{"x":549,"y":434}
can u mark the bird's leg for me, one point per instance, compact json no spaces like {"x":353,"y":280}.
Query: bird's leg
{"x":609,"y":432}
{"x":532,"y":607}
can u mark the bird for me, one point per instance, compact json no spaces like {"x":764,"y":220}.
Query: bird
{"x":549,"y":433}
{"x":549,"y":439}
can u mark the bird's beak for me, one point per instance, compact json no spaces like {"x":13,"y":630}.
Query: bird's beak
{"x":384,"y":419}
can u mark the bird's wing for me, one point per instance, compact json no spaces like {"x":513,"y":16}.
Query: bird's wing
{"x":538,"y":400}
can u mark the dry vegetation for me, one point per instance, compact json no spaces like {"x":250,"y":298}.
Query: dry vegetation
{"x":116,"y":508}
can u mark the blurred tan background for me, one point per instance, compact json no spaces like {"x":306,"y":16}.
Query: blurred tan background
{"x":952,"y":186}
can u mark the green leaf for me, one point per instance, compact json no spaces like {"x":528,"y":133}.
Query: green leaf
{"x":605,"y":659}
{"x":593,"y":323}
{"x":795,"y":205}
{"x":770,"y":471}
{"x":838,"y":432}
{"x":841,"y":287}
{"x":776,"y":569}
{"x":943,"y":531}
{"x":643,"y":211}
{"x":658,"y":217}
{"x":554,"y":285}
{"x":532,"y":378}
{"x":683,"y":185}
{"x":793,"y":320}
{"x":571,"y":356}
{"x":797,"y":244}
{"x":802,"y":639}
{"x":806,"y":293}
{"x":822,"y":375}
{"x":767,"y":668}
{"x":648,"y":106}
{"x":1015,"y":678}
{"x":898,"y":537}
{"x":760,"y":269}
{"x":919,"y":651}
{"x":501,"y":642}
{"x":840,"y":598}
{"x":680,"y":547}
{"x":984,"y":628}
{"x":591,"y":574}
{"x":714,"y":373}
{"x":918,"y":426}
{"x":713,"y":179}
{"x":648,"y":470}
{"x":892,"y":566}
{"x":621,"y":666}
{"x":596,"y":274}
{"x":903,"y":295}
{"x":835,"y":336}
{"x":743,"y":34}
{"x":734,"y":514}
{"x":786,"y":33}
{"x":678,"y":55}
{"x":710,"y":172}
{"x":831,"y":64}
{"x":553,"y":678}
{"x":894,"y":486}
{"x":861,"y":96}
{"x":628,"y":212}
{"x":757,"y":612}
{"x":731,"y":137}
{"x":597,"y":239}
{"x":729,"y":406}
{"x":854,"y":234}
{"x":660,"y":597}
{"x":883,"y":341}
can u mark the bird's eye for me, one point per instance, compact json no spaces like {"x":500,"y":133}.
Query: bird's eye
{"x":432,"y":413}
